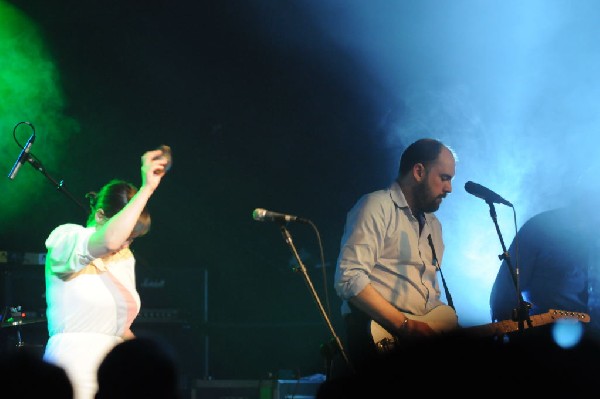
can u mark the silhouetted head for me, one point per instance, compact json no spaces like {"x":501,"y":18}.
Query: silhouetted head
{"x":27,"y":375}
{"x":142,"y":367}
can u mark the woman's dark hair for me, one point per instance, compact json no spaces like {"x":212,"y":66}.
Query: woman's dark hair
{"x":113,"y":197}
{"x":424,"y":151}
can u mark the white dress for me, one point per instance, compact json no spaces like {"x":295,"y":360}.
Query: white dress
{"x":91,"y":304}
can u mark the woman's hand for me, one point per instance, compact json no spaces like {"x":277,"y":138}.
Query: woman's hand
{"x":154,"y":167}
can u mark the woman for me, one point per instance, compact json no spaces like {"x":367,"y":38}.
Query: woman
{"x":90,"y":276}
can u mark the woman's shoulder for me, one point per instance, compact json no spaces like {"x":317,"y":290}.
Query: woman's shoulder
{"x":69,"y":229}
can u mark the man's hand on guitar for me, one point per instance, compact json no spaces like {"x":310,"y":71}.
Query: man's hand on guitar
{"x":416,"y":327}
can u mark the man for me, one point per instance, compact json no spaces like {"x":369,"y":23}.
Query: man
{"x":392,"y":249}
{"x":557,"y":259}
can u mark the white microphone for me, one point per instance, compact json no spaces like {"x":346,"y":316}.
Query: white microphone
{"x":22,"y":157}
{"x":262,"y":215}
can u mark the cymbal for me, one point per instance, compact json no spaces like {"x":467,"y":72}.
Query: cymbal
{"x":16,"y":323}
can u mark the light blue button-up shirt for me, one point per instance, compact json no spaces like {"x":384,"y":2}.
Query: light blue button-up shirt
{"x":381,"y":245}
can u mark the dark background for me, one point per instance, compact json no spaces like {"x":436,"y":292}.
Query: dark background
{"x":260,"y":109}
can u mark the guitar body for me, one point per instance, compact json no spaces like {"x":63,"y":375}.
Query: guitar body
{"x":443,"y":319}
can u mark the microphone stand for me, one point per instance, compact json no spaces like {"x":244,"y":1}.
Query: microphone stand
{"x":288,"y":239}
{"x":60,"y":185}
{"x":521,"y":313}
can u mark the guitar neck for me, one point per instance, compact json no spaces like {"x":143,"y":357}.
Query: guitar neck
{"x":508,"y":326}
{"x":498,"y":328}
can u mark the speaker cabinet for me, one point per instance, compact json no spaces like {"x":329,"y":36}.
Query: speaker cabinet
{"x":174,"y":309}
{"x":255,"y":389}
{"x":229,"y":389}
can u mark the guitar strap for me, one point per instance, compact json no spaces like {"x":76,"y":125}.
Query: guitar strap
{"x":439,"y":267}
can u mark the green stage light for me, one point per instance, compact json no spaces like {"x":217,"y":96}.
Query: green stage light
{"x":29,"y":91}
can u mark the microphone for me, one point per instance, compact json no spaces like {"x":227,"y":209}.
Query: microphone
{"x":22,"y":157}
{"x":485,"y":193}
{"x":262,"y":215}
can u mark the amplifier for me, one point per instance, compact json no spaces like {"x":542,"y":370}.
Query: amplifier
{"x":22,"y":258}
{"x":229,"y":389}
{"x":174,"y":307}
{"x":162,"y":315}
{"x":256,"y":389}
{"x":172,"y":293}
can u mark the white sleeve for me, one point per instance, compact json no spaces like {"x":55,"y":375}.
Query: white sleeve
{"x":67,"y":247}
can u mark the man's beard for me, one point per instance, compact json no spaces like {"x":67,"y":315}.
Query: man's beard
{"x":425,"y":201}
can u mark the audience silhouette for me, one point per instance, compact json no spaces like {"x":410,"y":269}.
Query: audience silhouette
{"x":24,"y":374}
{"x":142,"y":367}
{"x":527,"y":363}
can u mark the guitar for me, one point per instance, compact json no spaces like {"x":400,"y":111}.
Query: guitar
{"x":443,"y":319}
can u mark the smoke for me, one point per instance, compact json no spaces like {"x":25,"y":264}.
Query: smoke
{"x":511,"y":86}
{"x":29,"y":91}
